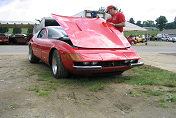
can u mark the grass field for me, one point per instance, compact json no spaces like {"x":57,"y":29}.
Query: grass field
{"x":153,"y":33}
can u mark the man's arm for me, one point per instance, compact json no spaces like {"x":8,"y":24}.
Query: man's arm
{"x":122,"y":24}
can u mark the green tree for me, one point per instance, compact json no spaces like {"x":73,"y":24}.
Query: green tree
{"x":132,"y":21}
{"x":4,"y":29}
{"x":171,"y":25}
{"x":148,"y":23}
{"x":161,"y":22}
{"x":30,"y":30}
{"x":139,"y":23}
{"x":17,"y":30}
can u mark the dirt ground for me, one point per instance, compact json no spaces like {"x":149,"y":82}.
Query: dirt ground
{"x":71,"y":101}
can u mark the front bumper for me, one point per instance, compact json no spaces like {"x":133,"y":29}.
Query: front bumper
{"x":100,"y":67}
{"x":88,"y":67}
{"x":136,"y":64}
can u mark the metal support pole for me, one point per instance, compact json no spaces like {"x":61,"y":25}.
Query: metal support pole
{"x":146,"y":39}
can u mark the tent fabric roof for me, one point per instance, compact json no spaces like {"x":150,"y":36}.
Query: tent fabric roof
{"x":132,"y":27}
{"x":18,"y":22}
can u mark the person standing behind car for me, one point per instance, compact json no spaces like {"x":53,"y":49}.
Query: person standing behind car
{"x":117,"y":19}
{"x":94,"y":14}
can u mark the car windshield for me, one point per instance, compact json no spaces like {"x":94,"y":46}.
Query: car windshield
{"x":172,"y":35}
{"x":56,"y":33}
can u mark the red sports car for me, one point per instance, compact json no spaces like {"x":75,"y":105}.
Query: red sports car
{"x":132,"y":41}
{"x":4,"y":38}
{"x":82,"y":46}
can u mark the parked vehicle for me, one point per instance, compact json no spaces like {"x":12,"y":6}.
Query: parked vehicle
{"x":20,"y":38}
{"x":163,"y":37}
{"x":137,"y":38}
{"x":132,"y":41}
{"x":4,"y":38}
{"x":173,"y":39}
{"x":82,"y":46}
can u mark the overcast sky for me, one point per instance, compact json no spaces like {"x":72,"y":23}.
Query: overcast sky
{"x":29,"y":10}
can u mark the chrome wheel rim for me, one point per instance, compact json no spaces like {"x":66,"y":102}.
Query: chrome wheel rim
{"x":54,"y":64}
{"x":132,"y":43}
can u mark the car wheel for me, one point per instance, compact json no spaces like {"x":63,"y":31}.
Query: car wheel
{"x":132,"y":42}
{"x":58,"y":68}
{"x":31,"y":57}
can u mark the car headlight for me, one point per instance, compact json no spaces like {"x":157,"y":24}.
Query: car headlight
{"x":127,"y":61}
{"x":94,"y":63}
{"x":132,"y":61}
{"x":86,"y":63}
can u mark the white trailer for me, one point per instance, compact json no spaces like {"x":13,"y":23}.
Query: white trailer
{"x":87,"y":13}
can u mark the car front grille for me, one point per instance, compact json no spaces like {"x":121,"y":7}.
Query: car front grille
{"x":109,"y":63}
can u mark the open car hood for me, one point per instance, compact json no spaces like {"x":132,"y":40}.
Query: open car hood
{"x":91,"y":32}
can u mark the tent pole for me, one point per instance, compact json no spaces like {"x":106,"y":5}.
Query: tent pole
{"x":147,"y":39}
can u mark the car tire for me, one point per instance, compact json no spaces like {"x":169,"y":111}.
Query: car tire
{"x":31,"y":57}
{"x":57,"y":66}
{"x":132,"y":42}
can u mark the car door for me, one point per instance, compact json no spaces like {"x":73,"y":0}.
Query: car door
{"x":39,"y":42}
{"x":46,"y":45}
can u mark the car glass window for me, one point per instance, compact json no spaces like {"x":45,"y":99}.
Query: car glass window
{"x":42,"y":34}
{"x":56,"y":33}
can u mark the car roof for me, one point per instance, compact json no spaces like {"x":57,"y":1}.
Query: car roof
{"x":54,"y":26}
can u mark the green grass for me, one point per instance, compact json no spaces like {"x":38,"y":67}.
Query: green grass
{"x":150,"y":92}
{"x":97,"y":87}
{"x":35,"y":88}
{"x":149,"y":76}
{"x":171,"y":98}
{"x":43,"y":94}
{"x":83,"y":102}
{"x":12,"y":106}
{"x":127,"y":33}
{"x":144,"y":75}
{"x":134,"y":94}
{"x":172,"y":91}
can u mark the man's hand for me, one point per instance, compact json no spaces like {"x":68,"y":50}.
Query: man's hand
{"x":122,"y":24}
{"x":113,"y":24}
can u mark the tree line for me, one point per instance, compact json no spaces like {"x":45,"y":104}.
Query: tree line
{"x":161,"y":23}
{"x":15,"y":30}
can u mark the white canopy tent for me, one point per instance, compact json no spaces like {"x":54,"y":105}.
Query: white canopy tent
{"x":132,"y":27}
